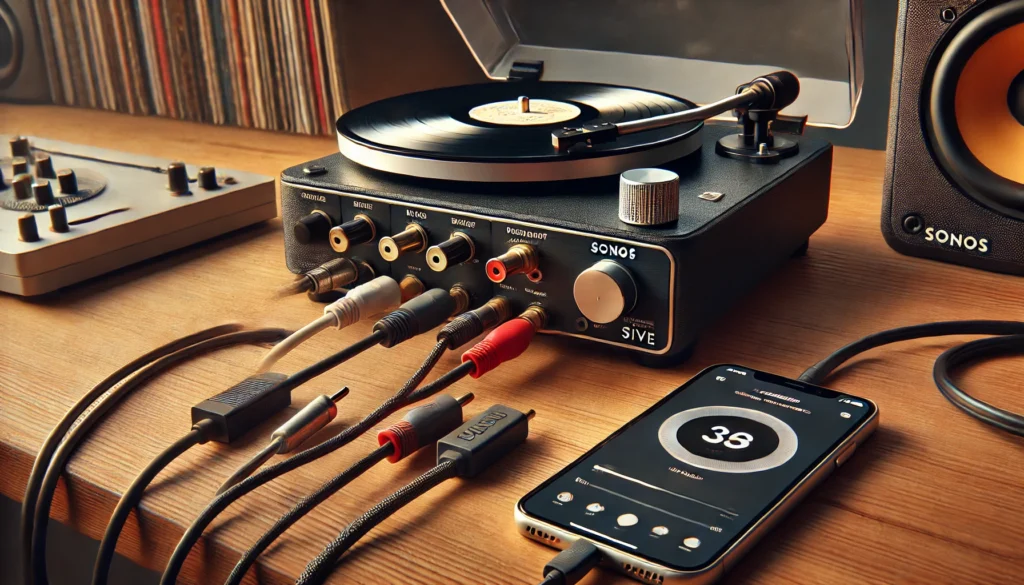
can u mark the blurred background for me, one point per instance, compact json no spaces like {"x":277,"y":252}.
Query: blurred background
{"x":286,"y":65}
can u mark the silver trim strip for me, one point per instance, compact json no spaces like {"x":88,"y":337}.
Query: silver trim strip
{"x":519,"y":172}
{"x":615,"y":540}
{"x":492,"y":219}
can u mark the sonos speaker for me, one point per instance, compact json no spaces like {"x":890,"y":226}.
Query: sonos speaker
{"x":954,"y":183}
{"x":23,"y":68}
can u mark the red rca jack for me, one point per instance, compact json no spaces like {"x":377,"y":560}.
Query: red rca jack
{"x":519,"y":259}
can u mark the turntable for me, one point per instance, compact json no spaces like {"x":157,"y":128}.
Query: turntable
{"x":578,"y":180}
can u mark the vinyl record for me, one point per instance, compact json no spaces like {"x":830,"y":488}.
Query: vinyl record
{"x":486,"y":133}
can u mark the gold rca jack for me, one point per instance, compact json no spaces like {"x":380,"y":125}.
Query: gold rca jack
{"x":455,"y":250}
{"x":412,"y":239}
{"x":411,"y":287}
{"x":359,"y":230}
{"x":461,"y":297}
{"x":519,"y":259}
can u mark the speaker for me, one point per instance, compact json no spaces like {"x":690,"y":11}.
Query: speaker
{"x":954,"y":183}
{"x":23,"y":66}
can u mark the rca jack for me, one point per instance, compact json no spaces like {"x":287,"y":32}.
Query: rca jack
{"x":412,"y":239}
{"x":455,"y":250}
{"x":359,"y":230}
{"x":519,"y":259}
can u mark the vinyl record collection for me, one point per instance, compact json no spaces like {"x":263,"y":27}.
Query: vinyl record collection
{"x":257,"y":63}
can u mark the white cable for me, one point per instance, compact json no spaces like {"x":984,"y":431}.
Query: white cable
{"x":380,"y":295}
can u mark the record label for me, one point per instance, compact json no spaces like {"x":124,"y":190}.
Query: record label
{"x":537,"y":112}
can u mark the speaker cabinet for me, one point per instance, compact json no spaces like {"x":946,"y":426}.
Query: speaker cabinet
{"x":23,"y":68}
{"x":954,"y":184}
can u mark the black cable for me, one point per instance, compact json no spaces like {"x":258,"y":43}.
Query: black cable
{"x":309,"y":372}
{"x":35,"y":554}
{"x":53,"y":440}
{"x":304,"y":506}
{"x":982,"y":348}
{"x":320,"y":568}
{"x":133,"y":495}
{"x":268,"y":474}
{"x":250,"y":466}
{"x":1010,"y":341}
{"x":572,"y":564}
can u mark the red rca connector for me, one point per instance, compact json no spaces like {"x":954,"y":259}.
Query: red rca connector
{"x":520,"y":259}
{"x":506,"y":342}
{"x":423,"y":426}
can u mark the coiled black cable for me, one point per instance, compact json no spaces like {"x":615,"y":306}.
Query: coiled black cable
{"x":268,"y":474}
{"x":67,"y":435}
{"x":317,"y":571}
{"x":1010,"y":341}
{"x":304,"y":506}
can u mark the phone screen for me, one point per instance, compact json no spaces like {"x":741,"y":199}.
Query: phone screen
{"x":681,"y":482}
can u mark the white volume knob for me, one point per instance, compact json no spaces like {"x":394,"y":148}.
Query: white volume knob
{"x":648,"y":196}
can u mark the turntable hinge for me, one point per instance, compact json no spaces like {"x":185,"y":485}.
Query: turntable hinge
{"x":526,"y":71}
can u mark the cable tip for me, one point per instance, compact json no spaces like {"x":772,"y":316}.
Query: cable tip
{"x":299,"y":285}
{"x":530,"y":414}
{"x":465,"y":399}
{"x":339,"y":394}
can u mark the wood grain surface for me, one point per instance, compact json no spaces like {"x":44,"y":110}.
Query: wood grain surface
{"x":934,"y":497}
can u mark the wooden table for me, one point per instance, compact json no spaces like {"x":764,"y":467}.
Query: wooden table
{"x":933,"y":497}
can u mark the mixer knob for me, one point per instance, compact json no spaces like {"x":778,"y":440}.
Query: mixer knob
{"x":455,"y":250}
{"x":208,"y":178}
{"x":68,"y":181}
{"x":605,"y":291}
{"x":177,"y":178}
{"x":22,"y":185}
{"x":20,"y":147}
{"x":648,"y":196}
{"x":43,"y":193}
{"x":59,"y":219}
{"x":412,"y":239}
{"x":313,"y":227}
{"x":44,"y":167}
{"x":19,"y":165}
{"x":359,"y":230}
{"x":27,"y":229}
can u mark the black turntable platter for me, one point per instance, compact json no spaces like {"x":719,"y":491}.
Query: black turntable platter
{"x":487,"y":133}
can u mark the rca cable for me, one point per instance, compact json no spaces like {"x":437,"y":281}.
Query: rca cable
{"x":504,"y":343}
{"x":496,"y":432}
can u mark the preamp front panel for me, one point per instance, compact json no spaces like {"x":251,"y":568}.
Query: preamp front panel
{"x":648,"y":272}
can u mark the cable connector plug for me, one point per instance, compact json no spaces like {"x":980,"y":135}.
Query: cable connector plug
{"x":302,"y":425}
{"x":423,"y":425}
{"x":462,"y":329}
{"x":420,"y":314}
{"x":380,"y":295}
{"x":484,"y":439}
{"x":331,"y":275}
{"x":235,"y":411}
{"x":508,"y":341}
{"x":572,"y":564}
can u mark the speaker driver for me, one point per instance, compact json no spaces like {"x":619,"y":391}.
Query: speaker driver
{"x":974,"y":114}
{"x":10,"y":46}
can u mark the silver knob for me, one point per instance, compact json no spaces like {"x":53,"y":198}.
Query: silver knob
{"x":605,"y":291}
{"x":648,"y":196}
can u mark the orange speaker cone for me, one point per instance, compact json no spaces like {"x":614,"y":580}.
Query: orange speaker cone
{"x":983,"y":116}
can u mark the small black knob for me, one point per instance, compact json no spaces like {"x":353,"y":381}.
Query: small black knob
{"x":22,"y":185}
{"x":44,"y":167}
{"x":43,"y":193}
{"x":59,"y":219}
{"x":19,"y":165}
{"x":27,"y":230}
{"x":177,"y":178}
{"x":313,"y":227}
{"x":455,"y":250}
{"x":68,"y":181}
{"x":208,"y":178}
{"x":359,"y":230}
{"x":20,"y":147}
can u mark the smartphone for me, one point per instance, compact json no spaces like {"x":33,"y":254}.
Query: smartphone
{"x":682,"y":491}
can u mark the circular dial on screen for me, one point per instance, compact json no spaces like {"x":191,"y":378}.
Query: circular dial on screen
{"x":728,"y":439}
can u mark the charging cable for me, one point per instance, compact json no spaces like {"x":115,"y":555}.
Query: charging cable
{"x":78,"y":422}
{"x":504,"y":343}
{"x":420,"y":427}
{"x":496,"y":432}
